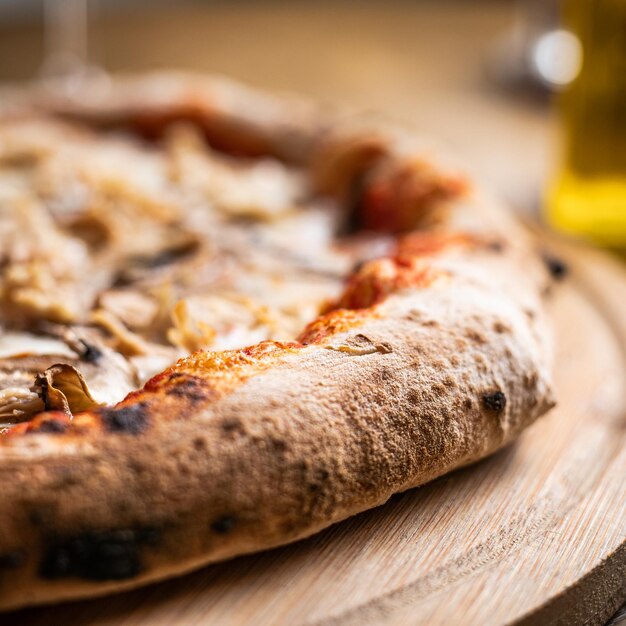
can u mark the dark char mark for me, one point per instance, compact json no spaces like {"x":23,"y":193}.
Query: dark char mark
{"x":104,"y":555}
{"x":51,"y":427}
{"x":131,"y":420}
{"x":558,"y":269}
{"x":188,"y":387}
{"x":223,"y":525}
{"x":12,"y":559}
{"x":495,"y":401}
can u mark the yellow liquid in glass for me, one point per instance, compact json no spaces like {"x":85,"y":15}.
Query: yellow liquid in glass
{"x":589,"y":195}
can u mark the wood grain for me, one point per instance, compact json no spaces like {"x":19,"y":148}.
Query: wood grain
{"x":534,"y":535}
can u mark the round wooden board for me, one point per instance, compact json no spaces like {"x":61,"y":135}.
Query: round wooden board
{"x":536,"y":534}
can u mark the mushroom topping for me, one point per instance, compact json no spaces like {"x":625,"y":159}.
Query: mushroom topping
{"x":119,"y":256}
{"x":73,"y":375}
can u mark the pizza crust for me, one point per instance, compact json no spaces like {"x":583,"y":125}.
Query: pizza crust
{"x":441,"y":378}
{"x":233,"y":452}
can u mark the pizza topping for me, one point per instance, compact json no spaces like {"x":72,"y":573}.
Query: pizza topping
{"x":137,"y":309}
{"x":399,"y":194}
{"x":44,"y":269}
{"x":63,"y":388}
{"x":168,"y":249}
{"x":259,"y":189}
{"x":19,"y":344}
{"x":50,"y":373}
{"x":340,"y":162}
{"x":376,"y":280}
{"x":18,"y":402}
{"x":428,"y":244}
{"x":106,"y":211}
{"x":380,"y":191}
{"x":90,"y":352}
{"x":218,"y":323}
{"x":125,"y":341}
{"x":19,"y":399}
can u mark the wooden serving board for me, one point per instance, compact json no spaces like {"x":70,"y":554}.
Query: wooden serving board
{"x":536,"y":534}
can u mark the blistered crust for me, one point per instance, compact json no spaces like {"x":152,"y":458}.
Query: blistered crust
{"x":171,"y":479}
{"x":430,"y":361}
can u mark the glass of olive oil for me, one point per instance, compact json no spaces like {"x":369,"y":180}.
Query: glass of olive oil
{"x":588,"y":195}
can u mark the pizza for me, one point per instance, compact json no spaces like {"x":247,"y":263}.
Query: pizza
{"x":231,"y":319}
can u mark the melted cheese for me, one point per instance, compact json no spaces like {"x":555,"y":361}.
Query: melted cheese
{"x":18,"y":344}
{"x":165,"y":250}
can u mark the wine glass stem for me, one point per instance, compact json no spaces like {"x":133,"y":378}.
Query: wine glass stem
{"x":65,"y":39}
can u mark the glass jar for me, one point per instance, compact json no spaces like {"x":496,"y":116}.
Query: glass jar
{"x":588,"y":195}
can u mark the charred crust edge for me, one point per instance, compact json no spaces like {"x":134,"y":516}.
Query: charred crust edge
{"x":494,"y":401}
{"x":557,"y":267}
{"x":223,"y":525}
{"x":98,"y":556}
{"x":51,"y":427}
{"x":12,"y":559}
{"x":131,"y":420}
{"x":190,"y":387}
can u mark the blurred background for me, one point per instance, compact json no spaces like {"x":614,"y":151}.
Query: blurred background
{"x":478,"y":75}
{"x":429,"y":64}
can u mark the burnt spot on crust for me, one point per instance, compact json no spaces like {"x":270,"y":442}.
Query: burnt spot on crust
{"x":105,"y":555}
{"x":200,"y":444}
{"x":12,"y":559}
{"x":501,"y":328}
{"x":223,"y":525}
{"x":186,"y":386}
{"x":277,"y":446}
{"x":476,"y":336}
{"x":558,"y":269}
{"x":494,"y":401}
{"x":50,"y":427}
{"x":320,"y":478}
{"x":232,"y":425}
{"x":38,"y":517}
{"x":131,"y":420}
